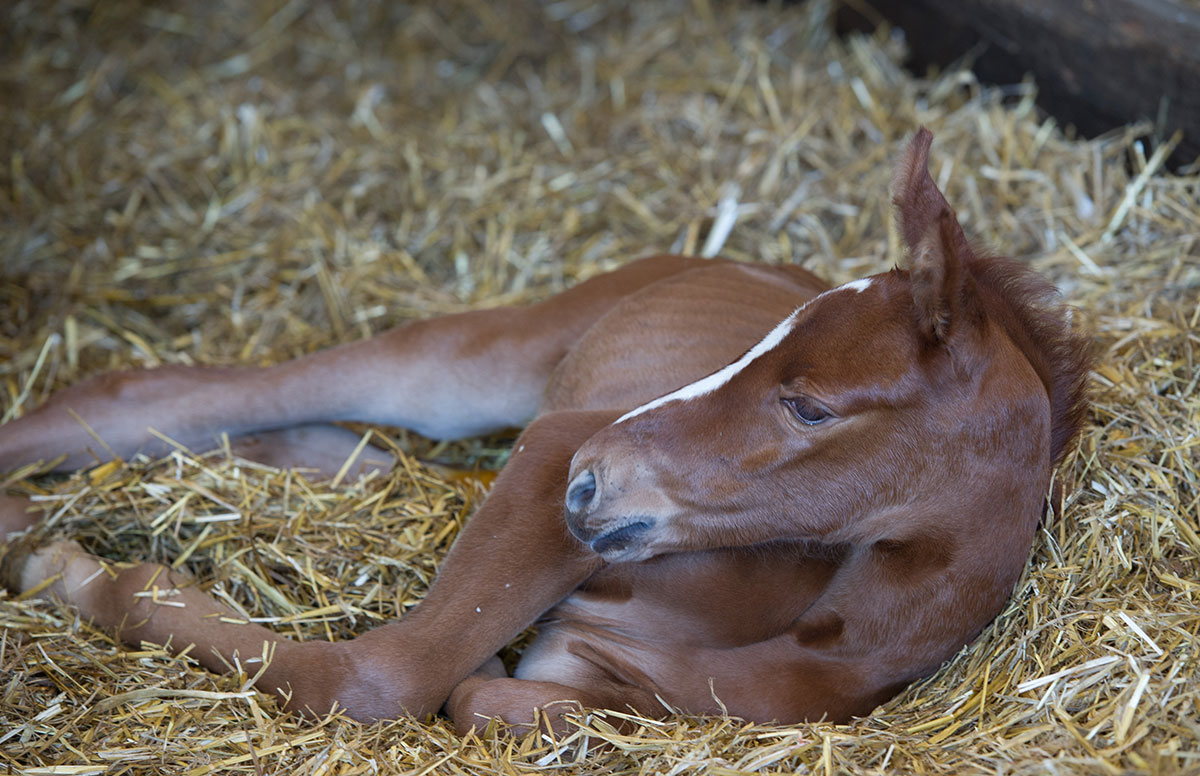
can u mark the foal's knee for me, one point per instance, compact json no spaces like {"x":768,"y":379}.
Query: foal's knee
{"x":522,"y":705}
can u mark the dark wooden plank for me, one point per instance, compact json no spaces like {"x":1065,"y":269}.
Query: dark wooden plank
{"x":1099,"y":64}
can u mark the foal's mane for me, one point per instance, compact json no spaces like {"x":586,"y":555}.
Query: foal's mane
{"x":1031,"y":311}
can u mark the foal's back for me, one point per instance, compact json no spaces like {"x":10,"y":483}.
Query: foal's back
{"x":674,"y":331}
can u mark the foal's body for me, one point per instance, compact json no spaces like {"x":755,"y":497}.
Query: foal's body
{"x":738,"y":545}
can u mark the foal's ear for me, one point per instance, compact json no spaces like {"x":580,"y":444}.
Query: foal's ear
{"x":936,"y":245}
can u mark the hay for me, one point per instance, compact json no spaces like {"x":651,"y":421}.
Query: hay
{"x":219,"y":182}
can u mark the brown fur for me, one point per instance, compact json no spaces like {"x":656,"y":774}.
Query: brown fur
{"x":720,"y":552}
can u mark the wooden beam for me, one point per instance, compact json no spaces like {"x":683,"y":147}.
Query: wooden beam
{"x":1098,"y":64}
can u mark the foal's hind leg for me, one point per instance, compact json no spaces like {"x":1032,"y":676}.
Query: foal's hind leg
{"x":449,"y":377}
{"x":446,"y":377}
{"x":324,"y":449}
{"x":778,"y":679}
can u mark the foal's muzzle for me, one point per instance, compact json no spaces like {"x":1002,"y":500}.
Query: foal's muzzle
{"x":581,"y":493}
{"x":606,"y":536}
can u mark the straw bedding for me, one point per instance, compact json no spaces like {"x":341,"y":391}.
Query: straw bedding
{"x":215,"y":182}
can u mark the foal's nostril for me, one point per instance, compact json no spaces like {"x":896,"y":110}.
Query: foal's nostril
{"x":581,"y":492}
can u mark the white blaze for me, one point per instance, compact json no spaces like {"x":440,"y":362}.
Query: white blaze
{"x":717,"y":379}
{"x":860,"y":285}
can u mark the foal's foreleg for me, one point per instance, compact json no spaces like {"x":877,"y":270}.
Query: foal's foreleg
{"x":16,"y":514}
{"x":145,"y":602}
{"x":520,"y":703}
{"x":525,"y":704}
{"x":513,"y":561}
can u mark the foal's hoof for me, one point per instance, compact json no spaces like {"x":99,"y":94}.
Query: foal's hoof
{"x":14,"y":554}
{"x":15,"y":515}
{"x":57,"y":569}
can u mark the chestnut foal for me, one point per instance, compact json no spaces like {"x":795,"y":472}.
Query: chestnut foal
{"x":806,"y":526}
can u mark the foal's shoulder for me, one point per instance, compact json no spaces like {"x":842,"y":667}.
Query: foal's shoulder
{"x":736,"y":279}
{"x":788,"y":275}
{"x":674,"y":331}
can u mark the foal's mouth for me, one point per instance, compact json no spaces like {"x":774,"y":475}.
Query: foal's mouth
{"x":619,"y":540}
{"x":625,"y":542}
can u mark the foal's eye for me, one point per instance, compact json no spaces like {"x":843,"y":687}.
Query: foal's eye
{"x":806,"y":410}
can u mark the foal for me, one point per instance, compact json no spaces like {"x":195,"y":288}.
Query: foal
{"x":807,"y":525}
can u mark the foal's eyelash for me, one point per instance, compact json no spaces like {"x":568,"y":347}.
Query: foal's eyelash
{"x":806,"y":410}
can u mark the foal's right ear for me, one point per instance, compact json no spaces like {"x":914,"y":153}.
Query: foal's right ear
{"x":936,"y":245}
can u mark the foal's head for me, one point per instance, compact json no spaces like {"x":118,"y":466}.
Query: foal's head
{"x":920,"y":405}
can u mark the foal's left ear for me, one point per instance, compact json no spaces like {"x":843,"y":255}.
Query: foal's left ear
{"x":936,"y":244}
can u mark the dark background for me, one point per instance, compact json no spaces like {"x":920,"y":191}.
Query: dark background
{"x":1099,"y":64}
